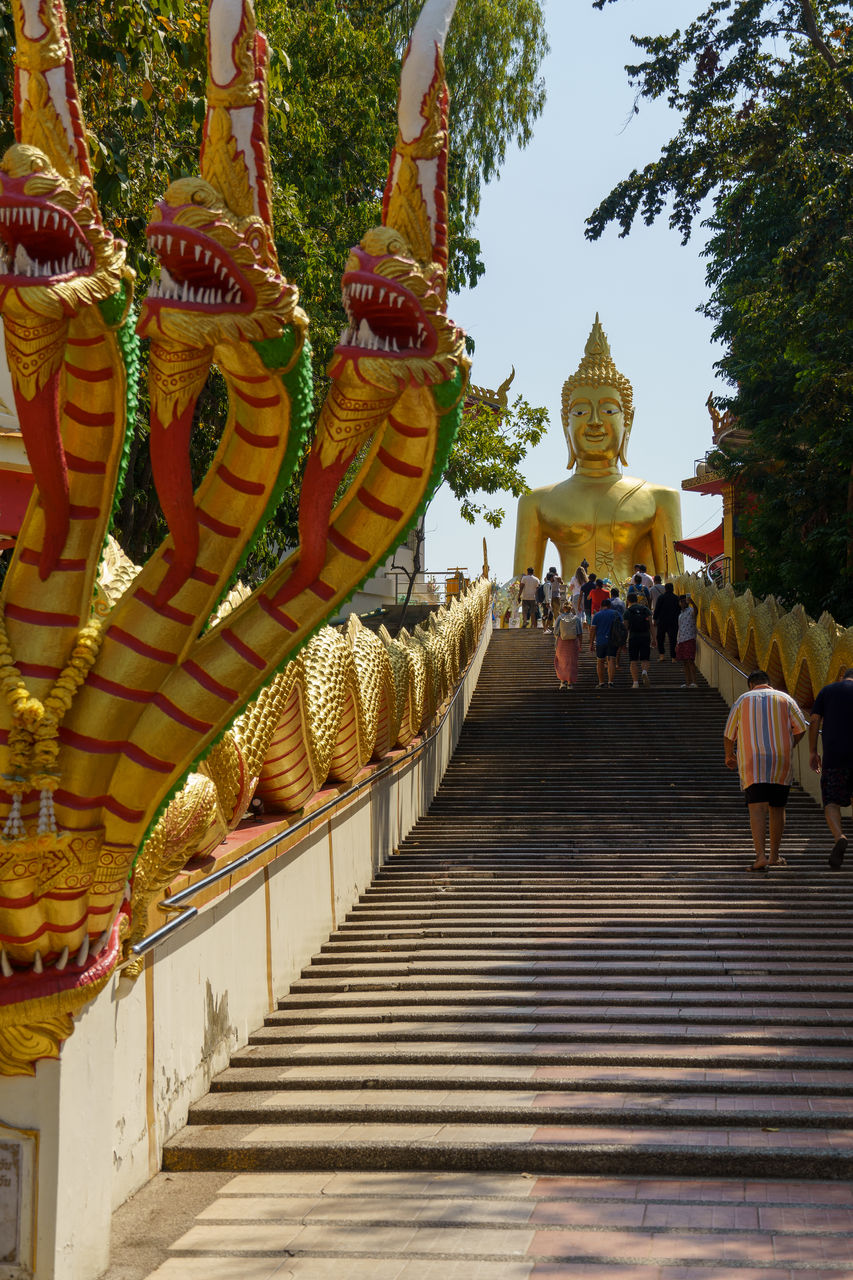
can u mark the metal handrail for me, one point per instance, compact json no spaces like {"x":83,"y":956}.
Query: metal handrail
{"x":175,"y":901}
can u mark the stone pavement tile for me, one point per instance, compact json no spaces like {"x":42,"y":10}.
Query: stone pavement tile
{"x":345,"y":1097}
{"x":376,"y":1184}
{"x":355,"y":1238}
{"x":254,"y":1237}
{"x":751,"y":1102}
{"x":218,"y":1269}
{"x":730,"y":1273}
{"x":601,"y":1271}
{"x":624,"y":1075}
{"x":277,"y":1184}
{"x":586,"y":1188}
{"x":485,"y":1133}
{"x":573,"y":1213}
{"x":701,"y":1217}
{"x":654,"y":1136}
{"x":340,"y":1269}
{"x":790,"y":1191}
{"x":590,"y":1244}
{"x":260,"y":1209}
{"x":736,"y":1249}
{"x":466,"y":1209}
{"x":296,"y":1133}
{"x":388,"y":1132}
{"x":464,"y":1269}
{"x":701,"y":1189}
{"x":823,"y":1105}
{"x":818,"y":1139}
{"x":500,"y":1071}
{"x":512,"y":1185}
{"x":812,"y":1249}
{"x":468,"y":1241}
{"x":806,"y":1218}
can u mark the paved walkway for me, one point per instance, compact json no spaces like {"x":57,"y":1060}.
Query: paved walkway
{"x":565,"y":1032}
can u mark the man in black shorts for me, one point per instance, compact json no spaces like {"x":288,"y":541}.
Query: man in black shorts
{"x":832,"y":716}
{"x":763,"y":727}
{"x":638,"y":621}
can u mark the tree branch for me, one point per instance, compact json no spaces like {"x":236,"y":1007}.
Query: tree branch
{"x":815,"y":35}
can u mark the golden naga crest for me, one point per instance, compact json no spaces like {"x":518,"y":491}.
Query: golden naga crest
{"x":116,"y":681}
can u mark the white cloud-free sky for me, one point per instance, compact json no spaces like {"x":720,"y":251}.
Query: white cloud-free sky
{"x":544,"y":281}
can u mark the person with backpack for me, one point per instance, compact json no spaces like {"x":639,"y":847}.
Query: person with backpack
{"x":568,"y":632}
{"x":638,"y":620}
{"x":639,"y":588}
{"x":606,"y":637}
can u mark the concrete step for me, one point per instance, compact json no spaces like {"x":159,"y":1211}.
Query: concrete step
{"x":805,"y":1082}
{"x":697,"y":1151}
{"x":560,"y":1107}
{"x":628,"y":1050}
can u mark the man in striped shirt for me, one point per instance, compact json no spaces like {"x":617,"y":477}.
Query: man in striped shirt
{"x":764,"y":726}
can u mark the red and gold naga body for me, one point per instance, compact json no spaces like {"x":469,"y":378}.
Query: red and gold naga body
{"x":106,"y":703}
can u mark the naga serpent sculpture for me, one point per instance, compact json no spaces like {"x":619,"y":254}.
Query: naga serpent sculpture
{"x":799,"y":654}
{"x":108,"y":704}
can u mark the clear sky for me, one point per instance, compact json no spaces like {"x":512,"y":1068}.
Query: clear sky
{"x":544,"y":281}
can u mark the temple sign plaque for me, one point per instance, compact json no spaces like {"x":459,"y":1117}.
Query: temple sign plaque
{"x":18,"y":1148}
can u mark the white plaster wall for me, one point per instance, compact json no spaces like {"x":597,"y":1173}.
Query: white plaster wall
{"x":144,"y":1051}
{"x":300,"y":907}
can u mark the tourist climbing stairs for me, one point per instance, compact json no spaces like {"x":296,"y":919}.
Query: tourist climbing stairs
{"x":568,"y":969}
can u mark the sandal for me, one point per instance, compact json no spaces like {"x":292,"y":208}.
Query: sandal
{"x":762,"y":866}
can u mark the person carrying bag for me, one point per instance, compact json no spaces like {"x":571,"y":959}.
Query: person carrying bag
{"x":568,"y":632}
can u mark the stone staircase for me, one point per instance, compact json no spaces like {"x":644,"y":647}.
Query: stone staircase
{"x":567,"y":970}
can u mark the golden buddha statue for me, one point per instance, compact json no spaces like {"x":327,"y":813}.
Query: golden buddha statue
{"x":611,"y":520}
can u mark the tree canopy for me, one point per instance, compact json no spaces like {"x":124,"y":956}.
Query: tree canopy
{"x":333,"y":85}
{"x":487,"y":457}
{"x":763,"y":91}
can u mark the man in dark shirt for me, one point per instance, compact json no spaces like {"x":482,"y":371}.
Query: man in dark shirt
{"x":638,"y":620}
{"x":832,"y":717}
{"x":587,"y":587}
{"x":667,"y":610}
{"x":599,"y":642}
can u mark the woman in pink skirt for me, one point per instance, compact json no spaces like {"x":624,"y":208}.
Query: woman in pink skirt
{"x":568,"y":630}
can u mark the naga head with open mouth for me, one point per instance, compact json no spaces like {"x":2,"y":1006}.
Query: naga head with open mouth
{"x":394,"y":285}
{"x":56,"y":257}
{"x":395,"y":311}
{"x":219,"y":279}
{"x":395,"y":281}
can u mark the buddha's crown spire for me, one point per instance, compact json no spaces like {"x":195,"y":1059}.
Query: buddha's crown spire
{"x":597,"y":369}
{"x":597,"y":345}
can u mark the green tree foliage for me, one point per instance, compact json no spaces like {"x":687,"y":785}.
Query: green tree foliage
{"x":333,"y":85}
{"x":487,"y":457}
{"x":763,"y":90}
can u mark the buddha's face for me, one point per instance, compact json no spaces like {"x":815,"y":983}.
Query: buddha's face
{"x":596,"y":424}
